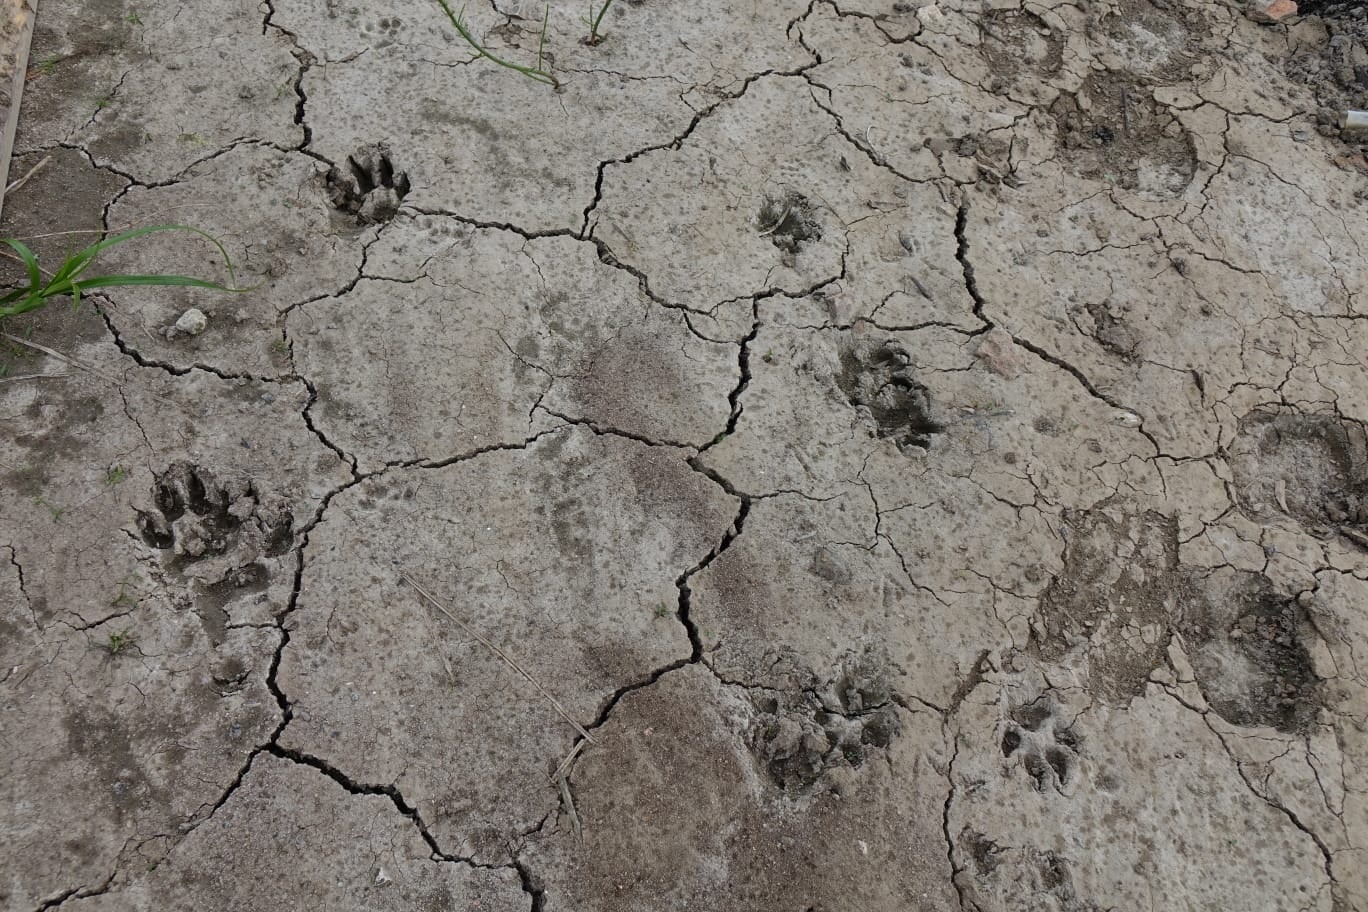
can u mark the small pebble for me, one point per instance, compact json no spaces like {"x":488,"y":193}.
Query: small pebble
{"x":191,"y":323}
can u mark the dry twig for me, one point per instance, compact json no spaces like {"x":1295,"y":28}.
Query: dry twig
{"x":432,"y":600}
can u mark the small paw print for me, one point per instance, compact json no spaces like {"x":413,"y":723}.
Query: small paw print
{"x":1046,"y":743}
{"x":368,"y":187}
{"x":384,"y":31}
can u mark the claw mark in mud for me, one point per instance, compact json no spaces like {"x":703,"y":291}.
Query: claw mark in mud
{"x":879,"y":380}
{"x":198,"y":516}
{"x":985,"y":853}
{"x":790,"y":221}
{"x":1248,"y":654}
{"x":1313,"y":468}
{"x":841,"y":722}
{"x":1112,"y":130}
{"x":369,"y":188}
{"x":1010,"y":872}
{"x":1016,"y":42}
{"x":1112,"y":329}
{"x":1121,"y":597}
{"x":1045,"y":742}
{"x":1116,"y":598}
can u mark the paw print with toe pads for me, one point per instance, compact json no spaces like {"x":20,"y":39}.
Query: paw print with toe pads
{"x":368,"y":187}
{"x":1046,"y":742}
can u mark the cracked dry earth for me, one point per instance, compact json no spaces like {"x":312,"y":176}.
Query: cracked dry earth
{"x":920,"y":445}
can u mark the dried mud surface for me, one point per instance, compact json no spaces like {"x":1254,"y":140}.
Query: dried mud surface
{"x":854,"y":455}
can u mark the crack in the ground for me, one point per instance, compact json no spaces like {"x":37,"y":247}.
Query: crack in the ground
{"x":585,"y":231}
{"x":605,"y":255}
{"x":180,"y":177}
{"x":1326,"y":854}
{"x":470,"y":454}
{"x":307,"y":414}
{"x":530,"y":885}
{"x":682,"y":614}
{"x":272,"y":683}
{"x":603,"y":430}
{"x":875,"y":157}
{"x":305,"y":59}
{"x":177,"y":370}
{"x":354,"y":787}
{"x":103,"y":103}
{"x":966,"y":267}
{"x":955,"y":868}
{"x":283,"y":703}
{"x":743,"y":379}
{"x":19,"y":571}
{"x":971,"y":285}
{"x":78,"y":893}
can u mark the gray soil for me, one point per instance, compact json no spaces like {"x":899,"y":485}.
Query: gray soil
{"x":861,"y":455}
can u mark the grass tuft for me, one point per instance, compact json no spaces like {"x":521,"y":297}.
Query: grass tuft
{"x":118,"y":642}
{"x":69,"y":279}
{"x":595,"y":36}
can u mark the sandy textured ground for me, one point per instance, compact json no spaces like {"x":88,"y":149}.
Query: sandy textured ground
{"x":915,"y":451}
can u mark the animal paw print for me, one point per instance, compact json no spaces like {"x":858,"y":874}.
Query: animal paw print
{"x":1046,"y":743}
{"x":384,"y":32}
{"x":853,"y":718}
{"x":199,"y":517}
{"x":369,"y":189}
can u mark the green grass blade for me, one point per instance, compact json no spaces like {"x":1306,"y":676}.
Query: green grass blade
{"x":594,"y":27}
{"x":96,"y":249}
{"x":535,"y":73}
{"x":67,"y":280}
{"x":541,"y":42}
{"x":35,"y":275}
{"x":114,"y":281}
{"x":31,"y":302}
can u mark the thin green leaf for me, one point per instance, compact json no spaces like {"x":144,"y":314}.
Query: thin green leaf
{"x":537,"y":73}
{"x":541,"y":44}
{"x":32,"y":302}
{"x":594,"y":26}
{"x":67,"y":279}
{"x":97,"y":248}
{"x":176,"y":280}
{"x":35,"y":275}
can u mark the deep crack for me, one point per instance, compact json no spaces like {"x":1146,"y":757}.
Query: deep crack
{"x":682,"y":614}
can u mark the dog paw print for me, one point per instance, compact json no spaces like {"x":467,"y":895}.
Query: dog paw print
{"x":880,"y":381}
{"x":850,"y":720}
{"x":368,"y":188}
{"x":790,"y":221}
{"x":1045,"y":742}
{"x":383,"y":32}
{"x":199,"y":517}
